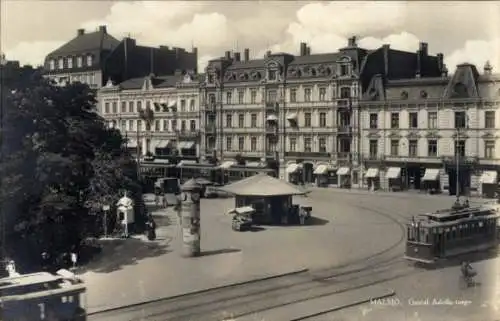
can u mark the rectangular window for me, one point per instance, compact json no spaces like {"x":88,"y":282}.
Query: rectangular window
{"x":124,"y":106}
{"x":241,"y":143}
{"x":322,"y":119}
{"x":373,"y":148}
{"x":115,"y":107}
{"x":307,"y":144}
{"x":173,"y":123}
{"x":253,"y":97}
{"x":272,"y":75}
{"x":345,"y":92}
{"x":293,"y":95}
{"x":165,"y":125}
{"x":192,"y":125}
{"x":229,"y":98}
{"x":272,"y":96}
{"x":183,"y":105}
{"x":489,"y":119}
{"x":307,"y":94}
{"x":394,"y":120}
{"x":413,"y":148}
{"x":139,"y":106}
{"x":460,"y":148}
{"x":432,"y":119}
{"x":229,"y":120}
{"x":157,"y":125}
{"x":322,"y":94}
{"x":131,"y":125}
{"x":322,"y":145}
{"x":253,"y":120}
{"x":139,"y":124}
{"x":373,"y":121}
{"x":307,"y":119}
{"x":79,"y":62}
{"x":106,"y":108}
{"x":413,"y":120}
{"x":241,"y":120}
{"x":394,"y":147}
{"x":489,"y":149}
{"x":344,"y":70}
{"x":460,"y":119}
{"x":183,"y":125}
{"x":89,"y":60}
{"x":211,"y":99}
{"x":123,"y":125}
{"x":61,"y":63}
{"x":192,"y":105}
{"x":229,"y":143}
{"x":293,"y":144}
{"x":241,"y":97}
{"x":253,"y":144}
{"x":70,"y":62}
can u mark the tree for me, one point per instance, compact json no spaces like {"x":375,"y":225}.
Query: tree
{"x":59,"y":164}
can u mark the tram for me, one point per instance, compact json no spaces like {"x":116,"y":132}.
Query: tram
{"x":43,"y":296}
{"x":451,"y":232}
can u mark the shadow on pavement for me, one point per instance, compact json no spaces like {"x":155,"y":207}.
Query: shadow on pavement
{"x":217,"y":252}
{"x":456,"y":261}
{"x":316,"y":221}
{"x":256,"y":229}
{"x":117,"y":253}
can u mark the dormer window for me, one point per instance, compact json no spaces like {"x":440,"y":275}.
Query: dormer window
{"x":345,"y":92}
{"x":344,"y":70}
{"x":272,"y":75}
{"x":52,"y":64}
{"x":423,"y":94}
{"x":69,"y":61}
{"x":61,"y":63}
{"x":89,"y":61}
{"x":79,"y":62}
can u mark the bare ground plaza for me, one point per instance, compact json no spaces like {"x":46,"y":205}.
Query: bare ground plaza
{"x":354,"y":244}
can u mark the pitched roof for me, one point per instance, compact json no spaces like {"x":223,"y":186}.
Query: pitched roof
{"x":157,"y":82}
{"x":262,"y":185}
{"x":92,"y":41}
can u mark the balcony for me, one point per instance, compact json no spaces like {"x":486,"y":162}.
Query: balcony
{"x":308,"y":155}
{"x":271,"y":130}
{"x":344,"y":156}
{"x":344,"y":129}
{"x":272,"y":105}
{"x":210,"y":129}
{"x":210,"y":107}
{"x":188,"y":133}
{"x":344,"y":103}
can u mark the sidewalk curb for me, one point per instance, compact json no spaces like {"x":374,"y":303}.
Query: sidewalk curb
{"x":391,"y":293}
{"x":199,"y":291}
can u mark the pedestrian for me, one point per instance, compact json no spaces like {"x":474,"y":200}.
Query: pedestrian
{"x":151,"y":228}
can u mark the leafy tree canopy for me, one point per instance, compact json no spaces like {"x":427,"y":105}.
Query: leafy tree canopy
{"x":60,"y":163}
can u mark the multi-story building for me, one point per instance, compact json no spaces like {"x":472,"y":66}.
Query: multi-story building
{"x":159,"y":115}
{"x":433,"y":132}
{"x":97,"y":57}
{"x":12,"y":73}
{"x":300,"y":112}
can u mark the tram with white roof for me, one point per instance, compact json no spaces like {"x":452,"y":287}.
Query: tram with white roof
{"x":451,"y":232}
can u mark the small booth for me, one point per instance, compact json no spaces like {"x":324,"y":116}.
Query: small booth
{"x":393,"y":176}
{"x":271,"y":198}
{"x":125,"y":213}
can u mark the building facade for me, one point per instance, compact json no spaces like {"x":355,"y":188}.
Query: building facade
{"x":438,"y":133}
{"x":158,"y":115}
{"x":96,"y":57}
{"x":298,"y":112}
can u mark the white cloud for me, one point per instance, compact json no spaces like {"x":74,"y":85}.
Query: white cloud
{"x":476,"y":52}
{"x":161,"y":23}
{"x":203,"y":62}
{"x":32,"y":52}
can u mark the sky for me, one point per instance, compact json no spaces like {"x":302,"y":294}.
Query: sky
{"x":462,"y":31}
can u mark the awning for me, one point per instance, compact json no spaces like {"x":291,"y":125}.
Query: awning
{"x":227,"y":164}
{"x":292,"y":168}
{"x":489,"y":177}
{"x":292,"y":116}
{"x":186,"y":162}
{"x":272,"y":118}
{"x":131,"y":143}
{"x":431,"y":174}
{"x":371,"y":173}
{"x":343,"y":171}
{"x":393,"y":172}
{"x":164,"y":143}
{"x":186,"y":145}
{"x":321,"y":169}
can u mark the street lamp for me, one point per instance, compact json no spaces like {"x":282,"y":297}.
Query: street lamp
{"x":146,"y":114}
{"x":105,"y":209}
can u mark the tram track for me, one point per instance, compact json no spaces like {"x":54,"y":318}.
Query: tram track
{"x":258,"y":296}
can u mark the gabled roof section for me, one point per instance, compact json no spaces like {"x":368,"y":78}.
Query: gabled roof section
{"x":463,"y":84}
{"x":87,"y":42}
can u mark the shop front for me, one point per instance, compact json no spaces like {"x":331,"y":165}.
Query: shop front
{"x":322,"y":174}
{"x":430,"y":180}
{"x":372,"y":178}
{"x":488,"y":183}
{"x":394,"y":179}
{"x":294,"y":173}
{"x":344,"y":177}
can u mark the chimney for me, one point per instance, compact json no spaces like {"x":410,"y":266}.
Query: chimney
{"x":102,"y":29}
{"x":351,"y":42}
{"x":195,"y":51}
{"x":440,"y":58}
{"x":80,"y":32}
{"x":488,"y":69}
{"x":303,"y":48}
{"x":228,"y":55}
{"x":237,"y":56}
{"x":419,"y":64}
{"x":386,"y":49}
{"x":308,"y":51}
{"x":246,"y":54}
{"x":423,"y":48}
